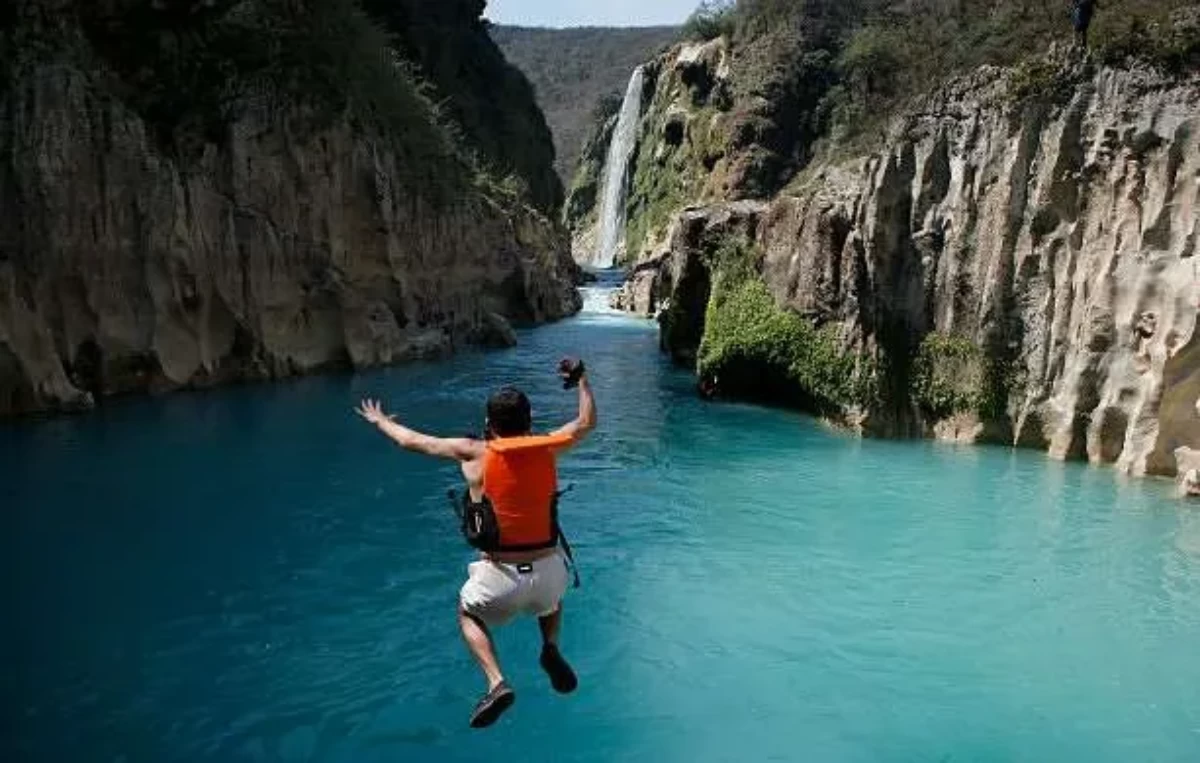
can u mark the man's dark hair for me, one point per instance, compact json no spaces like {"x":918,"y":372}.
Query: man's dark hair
{"x":509,"y":413}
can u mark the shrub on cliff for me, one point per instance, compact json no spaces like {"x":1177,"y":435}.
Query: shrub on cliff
{"x":900,"y":50}
{"x":426,"y":76}
{"x":711,"y":19}
{"x":884,"y":52}
{"x":757,"y":349}
{"x":948,"y":375}
{"x":190,"y":68}
{"x":1170,"y":41}
{"x":488,"y":98}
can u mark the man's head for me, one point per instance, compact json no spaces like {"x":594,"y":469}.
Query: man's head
{"x":508,"y":413}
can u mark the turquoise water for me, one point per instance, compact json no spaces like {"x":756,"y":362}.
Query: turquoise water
{"x":254,"y":575}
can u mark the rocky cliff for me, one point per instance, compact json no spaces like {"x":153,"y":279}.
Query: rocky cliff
{"x":152,"y":244}
{"x":1014,"y":262}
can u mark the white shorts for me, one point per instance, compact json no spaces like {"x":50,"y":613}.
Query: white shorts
{"x":496,"y":592}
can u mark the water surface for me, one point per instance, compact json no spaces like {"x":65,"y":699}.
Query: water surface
{"x":253,"y":574}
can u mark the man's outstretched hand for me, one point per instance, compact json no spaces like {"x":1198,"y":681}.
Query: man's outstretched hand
{"x":571,"y":370}
{"x":573,"y":375}
{"x":372,"y":411}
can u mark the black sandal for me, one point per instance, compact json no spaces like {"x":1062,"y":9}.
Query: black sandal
{"x":492,"y":706}
{"x":562,"y":678}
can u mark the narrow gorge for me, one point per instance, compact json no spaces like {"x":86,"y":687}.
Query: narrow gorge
{"x":1008,"y":257}
{"x":883,"y":442}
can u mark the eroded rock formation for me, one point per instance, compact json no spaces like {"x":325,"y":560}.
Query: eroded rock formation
{"x":1043,"y":249}
{"x":286,"y":245}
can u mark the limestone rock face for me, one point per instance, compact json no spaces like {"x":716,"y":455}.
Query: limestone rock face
{"x":282,"y":251}
{"x":1059,"y":237}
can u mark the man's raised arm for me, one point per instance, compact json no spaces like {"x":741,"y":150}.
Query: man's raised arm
{"x":573,"y":373}
{"x":455,"y":449}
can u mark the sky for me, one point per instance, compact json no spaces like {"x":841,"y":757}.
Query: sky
{"x":563,"y":13}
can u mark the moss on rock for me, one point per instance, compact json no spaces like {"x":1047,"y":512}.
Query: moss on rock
{"x":583,"y":197}
{"x":676,"y":152}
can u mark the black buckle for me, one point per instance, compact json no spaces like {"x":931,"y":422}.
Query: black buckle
{"x":524,"y":568}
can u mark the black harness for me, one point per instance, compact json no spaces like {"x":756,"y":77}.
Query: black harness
{"x":477,"y":522}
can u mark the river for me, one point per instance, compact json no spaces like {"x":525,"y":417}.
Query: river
{"x":253,"y":574}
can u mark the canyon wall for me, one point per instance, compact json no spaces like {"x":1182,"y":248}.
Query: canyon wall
{"x":286,"y":236}
{"x":1013,"y":262}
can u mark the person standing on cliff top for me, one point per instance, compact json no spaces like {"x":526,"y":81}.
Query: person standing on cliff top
{"x":510,"y":514}
{"x":1081,"y":19}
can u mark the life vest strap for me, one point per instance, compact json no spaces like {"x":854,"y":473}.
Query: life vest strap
{"x":528,"y":442}
{"x":461,"y":504}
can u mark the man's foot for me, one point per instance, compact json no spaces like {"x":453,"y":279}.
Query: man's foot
{"x":562,"y":678}
{"x":492,"y":706}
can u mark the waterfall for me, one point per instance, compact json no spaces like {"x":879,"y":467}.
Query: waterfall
{"x":616,"y":170}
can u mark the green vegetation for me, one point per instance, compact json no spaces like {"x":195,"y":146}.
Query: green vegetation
{"x":741,"y":138}
{"x":747,"y":334}
{"x":490,"y":99}
{"x":851,"y":62}
{"x":903,"y":50}
{"x":657,"y":191}
{"x":192,"y":68}
{"x":948,"y":375}
{"x":1170,"y":42}
{"x":711,"y":19}
{"x":1000,"y":382}
{"x":581,"y":207}
{"x":576,"y":72}
{"x":952,"y":375}
{"x":191,"y":71}
{"x":673,"y":160}
{"x":1038,"y":79}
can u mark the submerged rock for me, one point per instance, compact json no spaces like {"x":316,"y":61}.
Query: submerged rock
{"x":1187,"y":462}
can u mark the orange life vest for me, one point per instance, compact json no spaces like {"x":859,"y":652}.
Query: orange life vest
{"x":520,"y":481}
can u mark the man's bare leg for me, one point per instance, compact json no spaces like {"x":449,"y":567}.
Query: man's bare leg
{"x":550,"y":625}
{"x":499,"y":696}
{"x":562,"y":678}
{"x":479,"y":643}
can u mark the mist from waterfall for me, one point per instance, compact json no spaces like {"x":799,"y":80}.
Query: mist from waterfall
{"x":616,"y":170}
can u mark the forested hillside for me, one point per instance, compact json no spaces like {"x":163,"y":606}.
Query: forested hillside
{"x":578,"y":73}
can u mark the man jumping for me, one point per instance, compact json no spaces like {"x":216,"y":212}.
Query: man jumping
{"x":512,"y":518}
